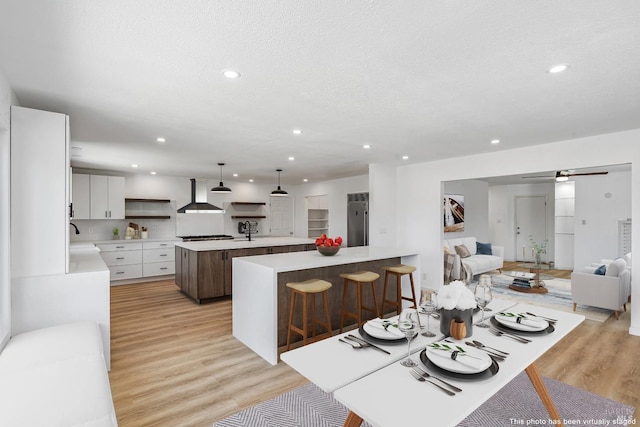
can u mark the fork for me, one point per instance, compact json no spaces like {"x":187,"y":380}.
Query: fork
{"x":419,"y":377}
{"x":355,"y":345}
{"x":515,"y":337}
{"x":425,"y":374}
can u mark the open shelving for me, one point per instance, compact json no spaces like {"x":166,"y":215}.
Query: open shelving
{"x":144,"y":215}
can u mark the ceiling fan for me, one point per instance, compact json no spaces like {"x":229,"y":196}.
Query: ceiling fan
{"x":564,"y":175}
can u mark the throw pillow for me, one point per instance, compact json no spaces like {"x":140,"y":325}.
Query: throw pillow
{"x":601,"y":270}
{"x":447,"y":250}
{"x":463,"y":251}
{"x":483,"y":248}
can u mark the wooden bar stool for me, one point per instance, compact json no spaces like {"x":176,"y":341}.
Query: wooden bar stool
{"x":309,"y":287}
{"x":358,"y":279}
{"x":398,"y":271}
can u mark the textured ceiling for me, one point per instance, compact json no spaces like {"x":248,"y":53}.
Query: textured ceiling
{"x":426,"y":79}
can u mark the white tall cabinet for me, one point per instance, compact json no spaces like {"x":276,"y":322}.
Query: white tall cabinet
{"x":39,"y":193}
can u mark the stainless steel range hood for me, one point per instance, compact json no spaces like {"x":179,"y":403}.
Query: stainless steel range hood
{"x":198,"y":207}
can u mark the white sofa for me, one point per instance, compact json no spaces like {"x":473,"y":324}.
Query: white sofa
{"x":476,"y":263}
{"x":56,"y":377}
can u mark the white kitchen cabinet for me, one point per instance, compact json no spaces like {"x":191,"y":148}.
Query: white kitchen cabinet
{"x":80,"y":196}
{"x":317,"y":215}
{"x":133,"y":259}
{"x":124,"y":259}
{"x":158,"y":258}
{"x":39,"y":193}
{"x":107,"y":197}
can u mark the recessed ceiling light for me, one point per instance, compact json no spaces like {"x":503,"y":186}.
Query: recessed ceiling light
{"x":250,"y":180}
{"x":297,"y":132}
{"x":161,"y":139}
{"x":558,"y":68}
{"x":495,"y":141}
{"x":235,"y":174}
{"x":366,"y":146}
{"x":153,"y":173}
{"x":291,"y":158}
{"x":305,"y":180}
{"x":405,"y":157}
{"x":134,"y":166}
{"x":230,"y":74}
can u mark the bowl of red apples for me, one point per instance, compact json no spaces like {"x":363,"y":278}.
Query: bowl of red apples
{"x":328,"y":246}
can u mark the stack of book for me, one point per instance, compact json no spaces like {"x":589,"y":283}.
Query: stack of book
{"x":522,"y":279}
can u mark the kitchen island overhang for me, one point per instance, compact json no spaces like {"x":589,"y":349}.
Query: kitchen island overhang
{"x":261,"y":301}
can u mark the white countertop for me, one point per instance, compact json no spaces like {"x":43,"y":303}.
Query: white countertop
{"x":159,"y":239}
{"x":256,"y":242}
{"x":313,"y":259}
{"x":85,"y":258}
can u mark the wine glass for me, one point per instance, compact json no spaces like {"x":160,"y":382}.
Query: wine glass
{"x":483,"y":296}
{"x":408,"y":324}
{"x":487,"y":279}
{"x":429,"y":304}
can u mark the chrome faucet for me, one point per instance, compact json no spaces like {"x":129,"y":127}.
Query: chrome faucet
{"x":74,"y":226}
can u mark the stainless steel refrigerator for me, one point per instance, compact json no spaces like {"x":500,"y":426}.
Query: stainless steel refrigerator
{"x":358,"y":219}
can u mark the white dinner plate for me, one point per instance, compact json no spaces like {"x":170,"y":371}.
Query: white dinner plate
{"x":442,"y":359}
{"x":380,"y":333}
{"x":521,"y":327}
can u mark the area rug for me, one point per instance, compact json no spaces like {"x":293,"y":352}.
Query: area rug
{"x":558,"y":297}
{"x":516,"y":404}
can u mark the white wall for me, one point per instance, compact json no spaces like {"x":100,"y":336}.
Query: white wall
{"x":601,"y":201}
{"x":419,"y":188}
{"x":7,"y":98}
{"x":337,"y":190}
{"x":476,"y":209}
{"x":502,"y":213}
{"x":383,"y":185}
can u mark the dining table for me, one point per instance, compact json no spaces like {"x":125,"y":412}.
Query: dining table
{"x":376,"y":388}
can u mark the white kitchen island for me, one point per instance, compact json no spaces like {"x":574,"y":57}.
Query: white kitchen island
{"x":261,"y":299}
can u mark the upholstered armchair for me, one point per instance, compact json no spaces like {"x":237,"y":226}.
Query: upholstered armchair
{"x":609,"y":291}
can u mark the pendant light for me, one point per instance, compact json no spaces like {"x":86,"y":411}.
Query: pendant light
{"x":279,"y":191}
{"x":221,"y":188}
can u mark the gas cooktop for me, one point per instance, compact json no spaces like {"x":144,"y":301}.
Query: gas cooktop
{"x":209,"y":237}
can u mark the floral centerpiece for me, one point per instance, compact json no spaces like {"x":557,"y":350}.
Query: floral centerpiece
{"x":456,"y":303}
{"x":538,"y":249}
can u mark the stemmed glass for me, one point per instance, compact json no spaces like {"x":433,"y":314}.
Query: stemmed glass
{"x":408,"y":324}
{"x":486,"y":278}
{"x":483,"y":296}
{"x":429,"y":304}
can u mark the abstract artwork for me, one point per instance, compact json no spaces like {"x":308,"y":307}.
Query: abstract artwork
{"x":453,"y":213}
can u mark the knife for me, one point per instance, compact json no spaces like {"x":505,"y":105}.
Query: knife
{"x":367,"y":343}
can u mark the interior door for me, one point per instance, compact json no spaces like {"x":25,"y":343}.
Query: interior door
{"x":531,"y":220}
{"x":281,"y":215}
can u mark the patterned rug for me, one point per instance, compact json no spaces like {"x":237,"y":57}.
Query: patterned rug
{"x":516,"y":404}
{"x":558,"y":297}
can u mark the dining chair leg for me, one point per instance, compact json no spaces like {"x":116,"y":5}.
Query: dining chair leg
{"x":352,"y":420}
{"x":538,"y":384}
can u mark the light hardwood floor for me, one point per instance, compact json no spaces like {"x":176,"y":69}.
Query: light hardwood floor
{"x":175,"y":363}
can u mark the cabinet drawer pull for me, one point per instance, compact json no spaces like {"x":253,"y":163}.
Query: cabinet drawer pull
{"x":119,"y":247}
{"x":163,"y":268}
{"x":163,"y":254}
{"x":119,"y":272}
{"x":120,"y":257}
{"x":163,"y":244}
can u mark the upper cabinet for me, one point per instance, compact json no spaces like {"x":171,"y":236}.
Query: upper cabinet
{"x":39,"y":192}
{"x":98,"y":197}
